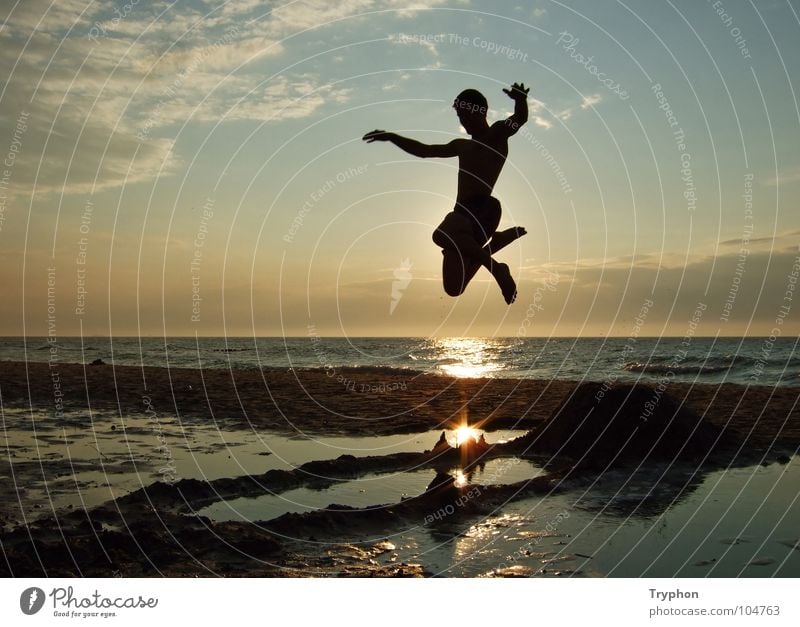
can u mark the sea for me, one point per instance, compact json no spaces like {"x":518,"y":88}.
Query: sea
{"x":745,"y":361}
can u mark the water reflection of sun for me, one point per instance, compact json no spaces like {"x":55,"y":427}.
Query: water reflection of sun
{"x":465,"y":433}
{"x":460,"y":479}
{"x":465,"y":357}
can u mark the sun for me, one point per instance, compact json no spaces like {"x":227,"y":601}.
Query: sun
{"x":465,"y":434}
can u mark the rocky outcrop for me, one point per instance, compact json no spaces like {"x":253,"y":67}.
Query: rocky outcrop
{"x":600,"y":425}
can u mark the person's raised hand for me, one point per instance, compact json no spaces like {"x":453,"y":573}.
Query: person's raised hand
{"x":517,"y":91}
{"x":376,"y":136}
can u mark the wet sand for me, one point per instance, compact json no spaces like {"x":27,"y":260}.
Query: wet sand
{"x":140,"y":521}
{"x":364,"y":401}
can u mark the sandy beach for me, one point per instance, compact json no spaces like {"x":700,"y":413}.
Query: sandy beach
{"x":363,"y":401}
{"x":120,"y":470}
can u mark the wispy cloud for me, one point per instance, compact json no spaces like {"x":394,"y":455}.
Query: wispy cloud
{"x":608,"y":291}
{"x":786,"y":177}
{"x":102,"y":82}
{"x":404,"y":39}
{"x":590,"y":101}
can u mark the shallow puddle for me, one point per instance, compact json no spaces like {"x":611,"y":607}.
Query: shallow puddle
{"x":83,"y":460}
{"x":368,"y":491}
{"x":737,"y":523}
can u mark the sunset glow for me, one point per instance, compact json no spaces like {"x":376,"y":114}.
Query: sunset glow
{"x":464,"y":434}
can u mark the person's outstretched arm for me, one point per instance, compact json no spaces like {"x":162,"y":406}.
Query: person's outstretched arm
{"x":412,"y":146}
{"x":519,"y":95}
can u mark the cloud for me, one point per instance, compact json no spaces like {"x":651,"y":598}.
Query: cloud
{"x":280,"y":99}
{"x":743,"y":291}
{"x":590,"y":101}
{"x":538,"y":111}
{"x":45,"y":16}
{"x":586,"y":296}
{"x":428,"y":42}
{"x":787,"y":177}
{"x":541,"y":111}
{"x":102,"y":83}
{"x":406,"y":9}
{"x":98,"y":80}
{"x":305,"y":14}
{"x":780,"y":241}
{"x":543,"y":117}
{"x":229,"y":52}
{"x":403,"y":39}
{"x":538,"y":120}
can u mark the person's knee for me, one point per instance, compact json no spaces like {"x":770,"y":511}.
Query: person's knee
{"x":453,"y":283}
{"x":441,"y":239}
{"x":453,"y":289}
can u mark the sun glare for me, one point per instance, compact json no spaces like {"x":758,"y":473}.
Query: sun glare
{"x":466,"y":357}
{"x":464,"y":434}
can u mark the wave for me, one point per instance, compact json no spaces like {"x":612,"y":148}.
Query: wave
{"x":230,"y":350}
{"x":664,"y":368}
{"x":707,"y":359}
{"x":374,"y":370}
{"x":65,"y":347}
{"x":791,"y":376}
{"x":738,"y":360}
{"x":700,"y":365}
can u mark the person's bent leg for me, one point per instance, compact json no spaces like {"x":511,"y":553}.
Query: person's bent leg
{"x":498,"y":242}
{"x":487,"y":213}
{"x":454,"y":263}
{"x":455,"y":277}
{"x":466,"y":244}
{"x":456,"y":233}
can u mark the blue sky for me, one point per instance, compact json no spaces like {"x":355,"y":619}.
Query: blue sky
{"x":228,"y":134}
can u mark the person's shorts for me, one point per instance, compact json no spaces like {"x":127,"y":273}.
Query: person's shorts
{"x":483,"y":214}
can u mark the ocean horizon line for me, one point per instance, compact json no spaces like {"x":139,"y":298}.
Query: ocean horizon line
{"x":413,"y":337}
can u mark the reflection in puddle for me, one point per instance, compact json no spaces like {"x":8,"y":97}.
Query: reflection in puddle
{"x":371,"y":490}
{"x":734,"y":523}
{"x":87,"y":459}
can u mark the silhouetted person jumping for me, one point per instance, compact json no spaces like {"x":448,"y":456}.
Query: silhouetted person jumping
{"x":467,"y":235}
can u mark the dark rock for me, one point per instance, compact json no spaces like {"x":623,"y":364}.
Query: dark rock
{"x":442,"y":482}
{"x":441,"y":445}
{"x":599,"y":426}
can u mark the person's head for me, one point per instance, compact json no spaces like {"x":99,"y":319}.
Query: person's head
{"x":471,"y":108}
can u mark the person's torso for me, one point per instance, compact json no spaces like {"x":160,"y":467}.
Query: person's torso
{"x":480,"y":163}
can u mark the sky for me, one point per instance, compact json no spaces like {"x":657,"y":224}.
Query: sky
{"x":197,"y":167}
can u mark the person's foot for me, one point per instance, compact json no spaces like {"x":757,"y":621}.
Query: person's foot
{"x":507,"y":285}
{"x":501,"y":239}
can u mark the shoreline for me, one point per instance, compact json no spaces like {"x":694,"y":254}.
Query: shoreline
{"x":361,"y":400}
